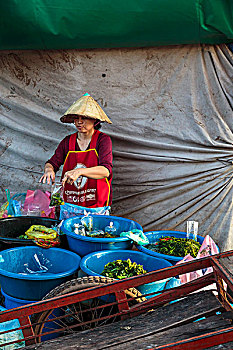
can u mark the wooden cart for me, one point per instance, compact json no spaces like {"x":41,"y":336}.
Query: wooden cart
{"x":92,"y":313}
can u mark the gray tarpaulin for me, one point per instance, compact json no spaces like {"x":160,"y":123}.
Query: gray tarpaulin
{"x":171,"y":109}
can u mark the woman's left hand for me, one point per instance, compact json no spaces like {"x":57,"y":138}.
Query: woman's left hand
{"x":71,"y":176}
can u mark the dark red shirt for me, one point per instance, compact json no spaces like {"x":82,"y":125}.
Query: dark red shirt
{"x":103,"y":148}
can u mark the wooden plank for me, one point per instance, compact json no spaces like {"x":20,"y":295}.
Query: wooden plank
{"x":147,"y":325}
{"x":90,"y":341}
{"x":228,"y":346}
{"x":227,"y":263}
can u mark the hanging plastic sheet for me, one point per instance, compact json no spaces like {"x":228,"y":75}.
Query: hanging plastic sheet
{"x":171,"y":109}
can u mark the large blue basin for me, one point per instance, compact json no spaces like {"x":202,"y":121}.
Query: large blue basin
{"x":154,"y":236}
{"x":84,"y":245}
{"x":31,"y":272}
{"x":93,"y":265}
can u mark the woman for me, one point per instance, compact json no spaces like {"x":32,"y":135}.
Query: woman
{"x":86,"y":155}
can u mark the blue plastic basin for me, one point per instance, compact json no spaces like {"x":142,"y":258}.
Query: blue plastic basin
{"x":18,"y":282}
{"x":93,"y":265}
{"x":12,"y":303}
{"x":154,"y":236}
{"x":84,"y":245}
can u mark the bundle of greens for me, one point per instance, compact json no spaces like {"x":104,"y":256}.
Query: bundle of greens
{"x":122,"y":269}
{"x":175,"y":246}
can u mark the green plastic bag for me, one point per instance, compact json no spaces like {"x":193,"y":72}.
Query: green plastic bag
{"x":137,"y":236}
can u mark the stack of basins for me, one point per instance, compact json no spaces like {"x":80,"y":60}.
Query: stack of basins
{"x":27,"y":271}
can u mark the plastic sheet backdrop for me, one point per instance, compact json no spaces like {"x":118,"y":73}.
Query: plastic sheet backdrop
{"x":171,"y":109}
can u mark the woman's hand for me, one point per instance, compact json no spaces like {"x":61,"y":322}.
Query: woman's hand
{"x":71,"y":176}
{"x":97,"y":172}
{"x":49,"y":174}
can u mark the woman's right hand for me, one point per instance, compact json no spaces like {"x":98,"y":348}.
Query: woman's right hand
{"x":49,"y":175}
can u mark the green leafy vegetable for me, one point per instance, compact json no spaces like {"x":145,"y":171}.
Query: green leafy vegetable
{"x":175,"y":246}
{"x":122,"y":269}
{"x":23,"y":237}
{"x":102,"y":235}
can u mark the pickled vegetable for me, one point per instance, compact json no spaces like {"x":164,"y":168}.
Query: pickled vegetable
{"x":122,"y":269}
{"x":175,"y":246}
{"x":101,"y":234}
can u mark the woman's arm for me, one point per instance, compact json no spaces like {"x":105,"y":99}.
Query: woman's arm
{"x":54,"y":163}
{"x":96,"y":172}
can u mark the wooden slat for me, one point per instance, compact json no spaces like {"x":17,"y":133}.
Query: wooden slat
{"x":227,"y":263}
{"x":120,"y":335}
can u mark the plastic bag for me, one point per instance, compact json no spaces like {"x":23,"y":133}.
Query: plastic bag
{"x":79,"y":229}
{"x":208,"y":248}
{"x":43,"y":236}
{"x":40,"y":231}
{"x":110,"y":229}
{"x":13,"y":206}
{"x":3,"y":210}
{"x":37,"y":203}
{"x":137,"y":236}
{"x":87,"y":222}
{"x":70,"y":210}
{"x":11,"y":336}
{"x":56,"y":195}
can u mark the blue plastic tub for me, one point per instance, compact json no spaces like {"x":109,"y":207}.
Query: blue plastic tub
{"x":84,"y":245}
{"x":93,"y":265}
{"x":154,"y":236}
{"x":23,"y":277}
{"x":11,"y":303}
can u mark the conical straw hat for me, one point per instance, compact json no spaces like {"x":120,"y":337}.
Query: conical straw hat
{"x":85,"y":106}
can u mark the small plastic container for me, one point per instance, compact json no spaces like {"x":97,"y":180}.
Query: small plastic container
{"x":32,"y":210}
{"x":110,"y":229}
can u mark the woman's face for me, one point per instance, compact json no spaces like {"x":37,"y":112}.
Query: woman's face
{"x":84,"y":124}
